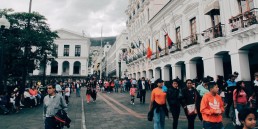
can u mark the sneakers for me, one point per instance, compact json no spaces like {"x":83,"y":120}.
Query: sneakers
{"x":133,"y":103}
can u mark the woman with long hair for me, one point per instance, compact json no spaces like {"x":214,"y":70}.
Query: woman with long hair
{"x":240,"y":96}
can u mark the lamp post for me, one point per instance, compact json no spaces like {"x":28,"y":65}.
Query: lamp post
{"x":4,"y":24}
{"x":119,"y":69}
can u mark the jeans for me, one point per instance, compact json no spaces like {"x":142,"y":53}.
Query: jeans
{"x":159,"y":119}
{"x":240,"y":107}
{"x":210,"y":125}
{"x":78,"y":92}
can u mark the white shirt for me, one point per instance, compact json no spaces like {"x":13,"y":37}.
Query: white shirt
{"x":134,"y":82}
{"x":143,"y":85}
{"x":152,"y":80}
{"x":58,"y":88}
{"x":67,"y":91}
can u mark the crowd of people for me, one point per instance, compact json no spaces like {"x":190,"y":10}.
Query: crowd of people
{"x":209,"y":99}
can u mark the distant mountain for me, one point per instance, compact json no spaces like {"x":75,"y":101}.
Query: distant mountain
{"x":97,"y":41}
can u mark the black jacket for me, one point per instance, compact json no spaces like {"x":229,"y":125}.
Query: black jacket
{"x":140,"y":85}
{"x":189,"y":96}
{"x":173,"y":96}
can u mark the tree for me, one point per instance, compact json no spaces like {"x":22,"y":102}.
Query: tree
{"x":27,"y":41}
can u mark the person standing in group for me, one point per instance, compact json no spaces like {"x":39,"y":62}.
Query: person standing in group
{"x":78,"y":88}
{"x":88,"y":93}
{"x":152,"y":81}
{"x":231,"y":86}
{"x":255,"y":90}
{"x":132,"y":94}
{"x":52,"y":103}
{"x":248,"y":118}
{"x":116,"y":81}
{"x":240,"y":97}
{"x":158,"y":105}
{"x":59,"y":88}
{"x":212,"y":108}
{"x":202,"y":89}
{"x":190,"y":96}
{"x":142,"y":87}
{"x":93,"y":89}
{"x":67,"y":93}
{"x":173,"y":99}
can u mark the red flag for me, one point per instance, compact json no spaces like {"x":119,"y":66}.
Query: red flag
{"x":149,"y":52}
{"x":170,"y":43}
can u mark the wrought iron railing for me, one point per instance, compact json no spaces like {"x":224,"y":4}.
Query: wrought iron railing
{"x":244,"y":20}
{"x":190,"y":41}
{"x":214,"y":32}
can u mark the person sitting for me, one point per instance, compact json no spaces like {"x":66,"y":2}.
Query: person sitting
{"x":29,"y":100}
{"x":34,"y":93}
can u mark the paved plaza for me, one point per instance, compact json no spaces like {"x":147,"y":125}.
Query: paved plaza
{"x":110,"y":111}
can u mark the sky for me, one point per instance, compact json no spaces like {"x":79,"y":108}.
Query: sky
{"x":78,"y":15}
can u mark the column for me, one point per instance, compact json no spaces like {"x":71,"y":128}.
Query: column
{"x":190,"y":69}
{"x":71,"y":68}
{"x":176,"y":71}
{"x":165,"y":74}
{"x":157,"y":74}
{"x":213,"y":66}
{"x":60,"y":68}
{"x":240,"y":63}
{"x":48,"y":68}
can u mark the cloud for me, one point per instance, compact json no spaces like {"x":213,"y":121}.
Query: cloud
{"x":77,"y":15}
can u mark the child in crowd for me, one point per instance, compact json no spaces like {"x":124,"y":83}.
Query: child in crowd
{"x":247,"y":118}
{"x":132,"y":93}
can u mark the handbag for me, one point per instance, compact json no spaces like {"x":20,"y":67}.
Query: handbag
{"x":150,"y":115}
{"x":191,"y":109}
{"x":138,"y":94}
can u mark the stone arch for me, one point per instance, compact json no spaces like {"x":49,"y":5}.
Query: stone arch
{"x":66,"y":67}
{"x":54,"y":67}
{"x":77,"y":67}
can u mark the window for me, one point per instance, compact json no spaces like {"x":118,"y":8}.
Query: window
{"x":133,"y":12}
{"x":66,"y":50}
{"x":178,"y":38}
{"x":77,"y":50}
{"x":178,"y":35}
{"x":138,"y":6}
{"x":193,"y":26}
{"x":245,"y":5}
{"x":148,"y":11}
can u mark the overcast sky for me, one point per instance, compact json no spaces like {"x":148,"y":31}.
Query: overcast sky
{"x":77,"y":15}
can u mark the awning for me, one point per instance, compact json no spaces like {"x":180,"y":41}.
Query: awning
{"x":212,"y":9}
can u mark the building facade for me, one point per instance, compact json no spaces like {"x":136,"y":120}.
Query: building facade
{"x":210,"y":37}
{"x":116,"y":57}
{"x":72,"y":56}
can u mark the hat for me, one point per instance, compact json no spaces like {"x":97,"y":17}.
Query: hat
{"x":159,"y":81}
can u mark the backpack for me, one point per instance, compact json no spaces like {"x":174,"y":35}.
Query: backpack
{"x":62,"y":118}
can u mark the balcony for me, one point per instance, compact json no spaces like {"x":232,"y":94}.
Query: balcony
{"x":176,"y":47}
{"x":244,"y":20}
{"x":190,"y":41}
{"x":214,"y":32}
{"x":154,"y":56}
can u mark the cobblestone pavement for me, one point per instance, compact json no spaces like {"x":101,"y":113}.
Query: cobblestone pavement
{"x":110,"y":111}
{"x":114,"y":111}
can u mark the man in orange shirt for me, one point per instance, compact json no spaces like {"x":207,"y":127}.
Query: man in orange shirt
{"x":212,"y":108}
{"x":158,"y":105}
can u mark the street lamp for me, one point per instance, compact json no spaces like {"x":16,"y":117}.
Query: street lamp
{"x":119,"y":66}
{"x":4,"y":24}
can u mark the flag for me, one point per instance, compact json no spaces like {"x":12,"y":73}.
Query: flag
{"x":158,"y":47}
{"x":169,"y":41}
{"x":149,"y":52}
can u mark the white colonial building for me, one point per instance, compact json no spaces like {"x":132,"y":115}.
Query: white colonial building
{"x":116,"y":57}
{"x":72,"y":56}
{"x":210,"y":37}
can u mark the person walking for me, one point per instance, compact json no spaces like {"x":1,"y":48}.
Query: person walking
{"x":202,"y":89}
{"x":158,"y":105}
{"x":78,"y":88}
{"x":117,"y":85}
{"x":190,"y":96}
{"x":142,"y":87}
{"x":212,"y":108}
{"x":67,"y":93}
{"x":52,"y":103}
{"x":173,"y":99}
{"x":132,"y":94}
{"x":231,"y":86}
{"x":88,"y":93}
